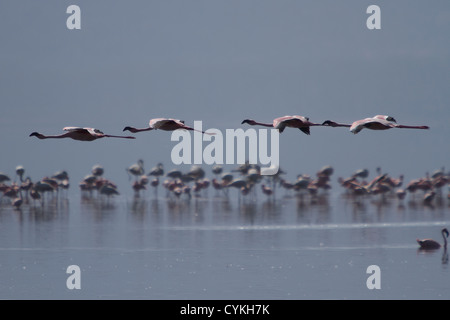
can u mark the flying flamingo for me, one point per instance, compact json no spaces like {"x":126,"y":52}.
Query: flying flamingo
{"x":165,"y":124}
{"x":432,"y":244}
{"x":378,"y":122}
{"x":378,"y":117}
{"x":281,"y":123}
{"x":78,"y":133}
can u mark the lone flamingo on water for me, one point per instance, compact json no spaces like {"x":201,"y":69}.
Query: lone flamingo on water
{"x":166,"y":124}
{"x":281,"y":123}
{"x":79,"y":133}
{"x":432,"y":244}
{"x":378,"y":122}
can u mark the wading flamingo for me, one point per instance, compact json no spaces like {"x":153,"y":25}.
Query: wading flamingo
{"x":165,"y":124}
{"x":78,"y":133}
{"x":432,"y":244}
{"x":281,"y":123}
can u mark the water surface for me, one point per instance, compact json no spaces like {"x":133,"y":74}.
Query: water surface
{"x":214,"y":247}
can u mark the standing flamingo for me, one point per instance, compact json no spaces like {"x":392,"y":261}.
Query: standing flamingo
{"x":137,"y":169}
{"x":281,"y":123}
{"x":165,"y":124}
{"x":432,"y":244}
{"x":78,"y":133}
{"x":20,"y":171}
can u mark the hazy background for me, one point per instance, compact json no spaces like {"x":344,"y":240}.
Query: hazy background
{"x":221,"y":62}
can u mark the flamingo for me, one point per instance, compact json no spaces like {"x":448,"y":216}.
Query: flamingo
{"x":35,"y":195}
{"x":61,"y":175}
{"x":166,"y":124}
{"x":20,"y":170}
{"x":362,"y":173}
{"x":137,"y":186}
{"x":108,"y":190}
{"x":79,"y":133}
{"x":17,"y":202}
{"x":137,"y":169}
{"x":266,"y":190}
{"x":378,"y":122}
{"x":97,"y":170}
{"x":4,"y":177}
{"x":174,"y":174}
{"x":281,"y":123}
{"x":330,"y":123}
{"x":157,"y":171}
{"x":432,"y":244}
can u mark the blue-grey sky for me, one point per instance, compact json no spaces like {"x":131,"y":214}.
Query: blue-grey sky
{"x":223,"y":61}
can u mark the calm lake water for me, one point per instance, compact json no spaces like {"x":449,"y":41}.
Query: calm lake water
{"x":213,"y":247}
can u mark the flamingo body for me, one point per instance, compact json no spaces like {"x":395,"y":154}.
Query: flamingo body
{"x":281,"y":123}
{"x":430,"y":244}
{"x":166,"y":124}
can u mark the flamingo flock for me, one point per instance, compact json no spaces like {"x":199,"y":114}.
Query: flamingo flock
{"x":94,"y":184}
{"x":26,"y":191}
{"x":246,"y":179}
{"x":427,"y":188}
{"x":248,"y":182}
{"x":378,"y":122}
{"x":52,"y":188}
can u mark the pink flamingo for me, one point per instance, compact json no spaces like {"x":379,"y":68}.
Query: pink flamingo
{"x":165,"y":124}
{"x":378,"y":117}
{"x":378,"y":122}
{"x":78,"y":133}
{"x":281,"y":123}
{"x":432,"y":244}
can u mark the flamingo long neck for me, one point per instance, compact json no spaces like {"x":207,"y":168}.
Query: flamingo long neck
{"x":142,"y":129}
{"x":343,"y":125}
{"x":335,"y":124}
{"x":60,"y":136}
{"x":445,"y":239}
{"x":264,"y":124}
{"x":209,"y":133}
{"x":192,"y":129}
{"x":112,"y":136}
